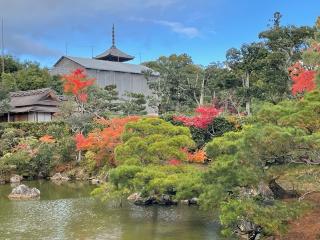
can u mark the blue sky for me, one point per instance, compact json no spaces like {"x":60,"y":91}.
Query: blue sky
{"x":205,"y":29}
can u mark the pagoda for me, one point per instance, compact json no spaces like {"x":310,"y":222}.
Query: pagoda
{"x":113,"y":54}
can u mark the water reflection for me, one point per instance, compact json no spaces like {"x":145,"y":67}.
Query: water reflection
{"x":68,"y":212}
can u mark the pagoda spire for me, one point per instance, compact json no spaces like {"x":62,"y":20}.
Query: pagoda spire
{"x":113,"y":53}
{"x":113,"y":37}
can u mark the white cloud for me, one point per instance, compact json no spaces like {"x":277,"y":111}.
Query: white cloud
{"x":23,"y":45}
{"x":177,"y":27}
{"x":160,"y":3}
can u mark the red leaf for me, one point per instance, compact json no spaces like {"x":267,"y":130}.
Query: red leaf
{"x":204,"y":115}
{"x":77,"y":83}
{"x":303,"y":79}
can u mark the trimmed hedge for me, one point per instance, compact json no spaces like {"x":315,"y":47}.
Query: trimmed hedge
{"x":38,"y":129}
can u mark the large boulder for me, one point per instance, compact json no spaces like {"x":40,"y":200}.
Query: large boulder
{"x":15,"y":179}
{"x":265,"y":191}
{"x":95,"y":181}
{"x":184,"y":202}
{"x":58,"y":177}
{"x":248,"y":230}
{"x":137,"y":199}
{"x":192,"y":201}
{"x":145,"y":201}
{"x":23,"y":192}
{"x":280,"y":193}
{"x":166,"y":199}
{"x":134,"y":197}
{"x":163,"y":199}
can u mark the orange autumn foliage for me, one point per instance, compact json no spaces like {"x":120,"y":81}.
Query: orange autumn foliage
{"x":47,"y":139}
{"x":103,"y":142}
{"x":77,"y":83}
{"x":198,"y":156}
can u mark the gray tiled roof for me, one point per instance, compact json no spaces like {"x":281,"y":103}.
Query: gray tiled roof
{"x":89,"y":63}
{"x":28,"y":98}
{"x":30,"y":92}
{"x":34,"y":100}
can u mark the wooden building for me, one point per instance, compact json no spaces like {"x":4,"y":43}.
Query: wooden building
{"x":110,"y":68}
{"x":34,"y":106}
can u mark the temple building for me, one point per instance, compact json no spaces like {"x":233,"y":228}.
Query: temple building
{"x":110,"y":68}
{"x":33,"y":106}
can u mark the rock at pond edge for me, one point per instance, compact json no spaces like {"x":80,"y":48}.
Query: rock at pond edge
{"x":59,"y":177}
{"x":15,"y":179}
{"x":23,"y":192}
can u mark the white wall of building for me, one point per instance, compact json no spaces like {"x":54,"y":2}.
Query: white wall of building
{"x":125,"y":82}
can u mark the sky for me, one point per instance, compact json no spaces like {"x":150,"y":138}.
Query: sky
{"x":44,"y":30}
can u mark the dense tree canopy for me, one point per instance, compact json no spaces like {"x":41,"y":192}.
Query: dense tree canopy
{"x":28,"y":76}
{"x":133,"y":104}
{"x":181,"y":82}
{"x":287,"y":133}
{"x":254,"y":72}
{"x":4,"y":100}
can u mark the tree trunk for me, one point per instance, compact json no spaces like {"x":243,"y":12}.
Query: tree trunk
{"x":248,"y":107}
{"x":202,"y":92}
{"x":248,"y":99}
{"x":79,"y":157}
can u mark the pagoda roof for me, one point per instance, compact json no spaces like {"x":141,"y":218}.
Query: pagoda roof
{"x":115,"y":55}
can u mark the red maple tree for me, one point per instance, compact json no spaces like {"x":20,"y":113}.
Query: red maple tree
{"x":303,"y":79}
{"x":103,"y":142}
{"x":77,"y":83}
{"x":204,"y":115}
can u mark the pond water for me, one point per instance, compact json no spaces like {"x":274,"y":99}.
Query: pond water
{"x":67,"y":211}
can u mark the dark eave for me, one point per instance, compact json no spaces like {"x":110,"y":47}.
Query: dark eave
{"x":115,"y":55}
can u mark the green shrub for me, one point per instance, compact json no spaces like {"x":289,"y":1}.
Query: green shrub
{"x":9,"y":138}
{"x":152,"y":141}
{"x":45,"y":159}
{"x":65,"y":149}
{"x":272,"y":218}
{"x":19,"y":160}
{"x":180,"y":182}
{"x":38,"y":129}
{"x":89,"y":163}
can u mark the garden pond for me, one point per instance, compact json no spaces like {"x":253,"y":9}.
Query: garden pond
{"x":67,"y":211}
